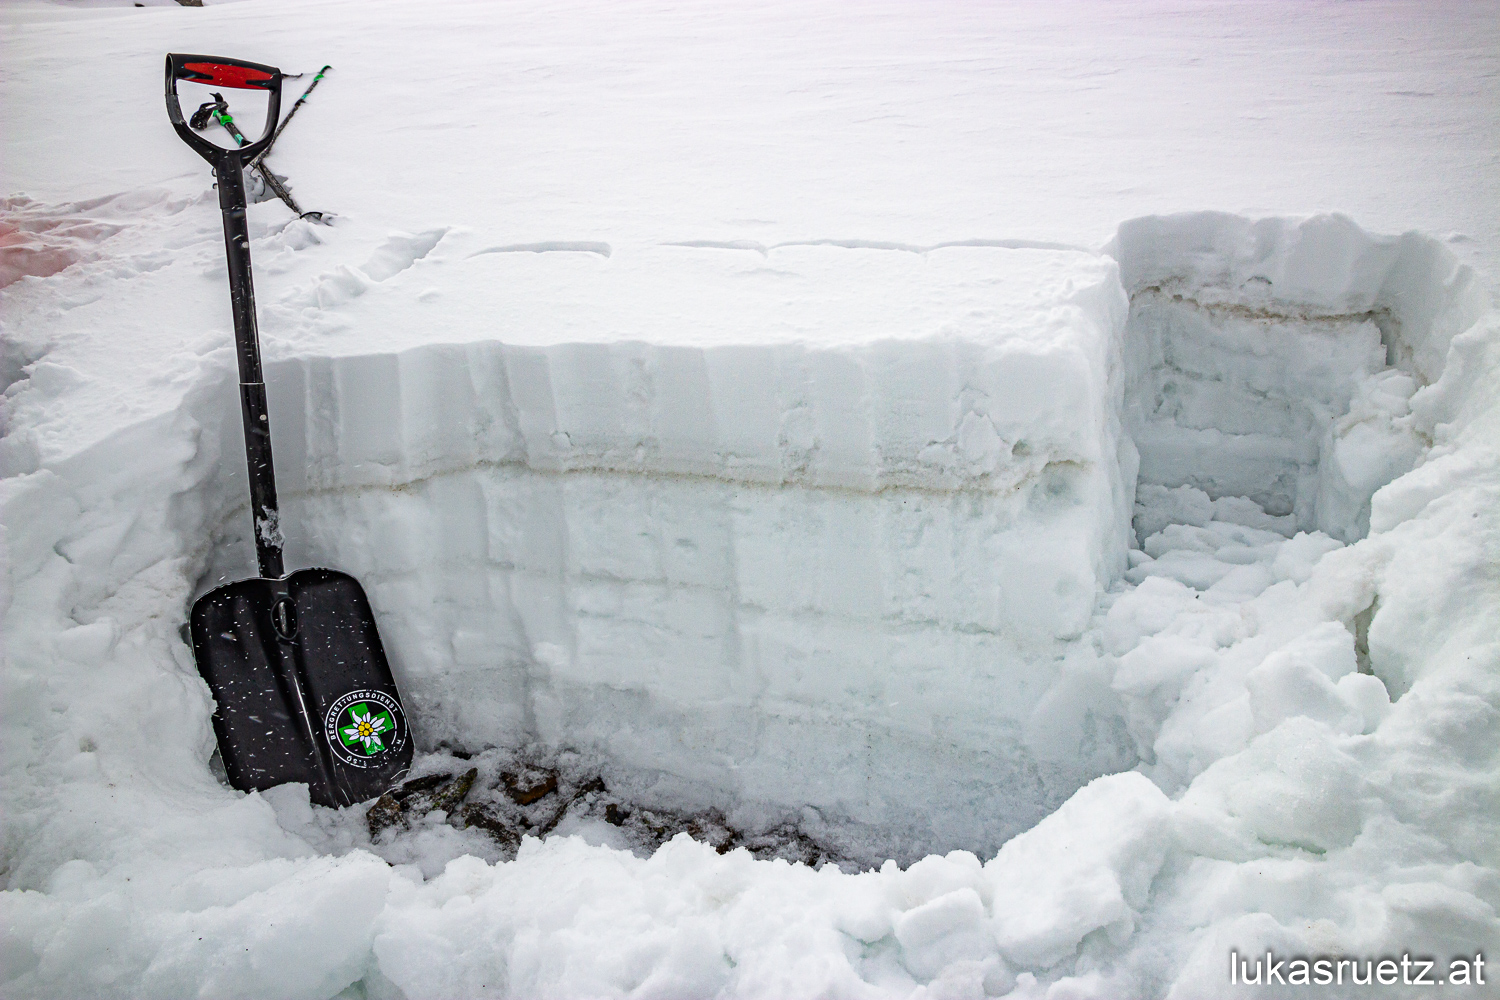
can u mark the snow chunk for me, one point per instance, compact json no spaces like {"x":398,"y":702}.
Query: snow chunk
{"x":1292,"y":787}
{"x":1070,"y":875}
{"x":1371,"y":445}
{"x":943,"y":931}
{"x":1299,"y":680}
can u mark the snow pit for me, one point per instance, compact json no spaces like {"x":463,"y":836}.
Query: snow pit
{"x":1308,"y":724}
{"x":816,"y":536}
{"x":546,"y":599}
{"x":809,"y":532}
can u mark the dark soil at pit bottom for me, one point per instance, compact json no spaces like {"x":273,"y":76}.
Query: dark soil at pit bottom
{"x":509,"y":795}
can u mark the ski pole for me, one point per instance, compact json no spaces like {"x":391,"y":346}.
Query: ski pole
{"x":285,"y":121}
{"x":217,"y":111}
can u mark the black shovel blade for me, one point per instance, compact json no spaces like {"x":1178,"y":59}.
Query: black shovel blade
{"x":302,"y":686}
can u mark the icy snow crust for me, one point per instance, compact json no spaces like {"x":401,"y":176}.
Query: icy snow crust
{"x":837,"y":537}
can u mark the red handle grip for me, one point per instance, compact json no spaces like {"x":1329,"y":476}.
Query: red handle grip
{"x":231,"y":74}
{"x":238,"y":77}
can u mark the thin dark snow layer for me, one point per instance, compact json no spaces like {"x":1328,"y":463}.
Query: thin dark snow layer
{"x":740,"y":420}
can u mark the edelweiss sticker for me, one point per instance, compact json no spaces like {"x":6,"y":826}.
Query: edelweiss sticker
{"x":364,"y":728}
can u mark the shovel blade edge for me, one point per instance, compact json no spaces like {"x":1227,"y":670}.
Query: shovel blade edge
{"x":302,"y":687}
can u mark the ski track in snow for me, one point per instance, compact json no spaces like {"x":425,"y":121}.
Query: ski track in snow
{"x":1292,"y":629}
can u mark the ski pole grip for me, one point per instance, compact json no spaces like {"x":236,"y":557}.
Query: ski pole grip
{"x":231,"y":74}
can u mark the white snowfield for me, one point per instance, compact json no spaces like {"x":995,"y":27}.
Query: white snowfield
{"x":844,"y":419}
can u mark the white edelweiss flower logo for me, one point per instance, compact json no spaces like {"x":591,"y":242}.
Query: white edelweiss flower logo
{"x":365,"y":729}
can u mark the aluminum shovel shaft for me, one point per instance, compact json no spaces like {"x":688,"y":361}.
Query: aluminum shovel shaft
{"x":264,"y":513}
{"x":228,"y":164}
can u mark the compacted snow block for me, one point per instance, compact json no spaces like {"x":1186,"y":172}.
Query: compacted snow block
{"x":808,"y":527}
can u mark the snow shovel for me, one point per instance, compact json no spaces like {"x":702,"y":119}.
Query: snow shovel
{"x":302,"y":687}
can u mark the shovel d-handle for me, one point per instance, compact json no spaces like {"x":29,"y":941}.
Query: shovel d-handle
{"x":229,"y":74}
{"x":228,"y":167}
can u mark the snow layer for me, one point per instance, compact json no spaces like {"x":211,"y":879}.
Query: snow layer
{"x":1315,"y":717}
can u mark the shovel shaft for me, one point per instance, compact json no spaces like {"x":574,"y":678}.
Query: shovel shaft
{"x":264,"y":512}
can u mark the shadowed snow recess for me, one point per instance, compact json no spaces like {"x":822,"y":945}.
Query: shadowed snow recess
{"x":1276,"y":361}
{"x":840,"y":540}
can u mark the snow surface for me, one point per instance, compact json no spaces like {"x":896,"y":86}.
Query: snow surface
{"x":747,"y":401}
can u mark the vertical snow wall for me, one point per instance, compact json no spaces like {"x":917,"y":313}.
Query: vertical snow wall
{"x":805,"y":533}
{"x":818,"y":531}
